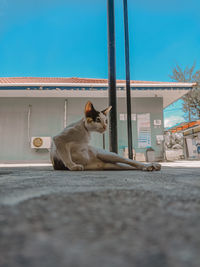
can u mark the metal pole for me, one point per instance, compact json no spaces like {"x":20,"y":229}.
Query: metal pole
{"x":112,"y":77}
{"x":128,"y":94}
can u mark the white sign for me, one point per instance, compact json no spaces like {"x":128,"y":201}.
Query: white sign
{"x":133,"y":117}
{"x":121,"y":117}
{"x":157,"y":122}
{"x":144,"y":130}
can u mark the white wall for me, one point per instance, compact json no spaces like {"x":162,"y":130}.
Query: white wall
{"x":47,"y":119}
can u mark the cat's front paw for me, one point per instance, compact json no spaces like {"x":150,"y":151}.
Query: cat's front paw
{"x":77,"y":167}
{"x":152,"y":167}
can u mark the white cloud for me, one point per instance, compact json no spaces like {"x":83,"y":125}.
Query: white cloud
{"x":173,"y":120}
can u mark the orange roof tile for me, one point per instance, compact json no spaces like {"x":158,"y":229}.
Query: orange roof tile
{"x":8,"y":80}
{"x":183,"y":126}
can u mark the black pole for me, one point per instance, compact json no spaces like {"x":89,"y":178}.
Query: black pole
{"x":112,"y":77}
{"x":128,"y":94}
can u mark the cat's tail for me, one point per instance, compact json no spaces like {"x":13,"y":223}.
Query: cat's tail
{"x":56,"y":162}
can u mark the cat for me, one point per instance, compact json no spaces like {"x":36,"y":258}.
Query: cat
{"x":71,"y":149}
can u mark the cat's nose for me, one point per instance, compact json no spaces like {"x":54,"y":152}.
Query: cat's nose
{"x":104,"y":127}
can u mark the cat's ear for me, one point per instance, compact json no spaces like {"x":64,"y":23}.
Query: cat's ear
{"x":88,"y":108}
{"x":107,"y":110}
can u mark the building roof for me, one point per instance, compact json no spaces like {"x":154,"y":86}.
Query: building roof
{"x":63,"y":87}
{"x":14,"y":81}
{"x":9,"y":80}
{"x":184,"y":126}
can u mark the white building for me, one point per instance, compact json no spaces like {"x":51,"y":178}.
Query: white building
{"x":42,"y":107}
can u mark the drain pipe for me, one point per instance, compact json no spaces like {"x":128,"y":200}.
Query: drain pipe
{"x":65,"y":113}
{"x":29,"y":122}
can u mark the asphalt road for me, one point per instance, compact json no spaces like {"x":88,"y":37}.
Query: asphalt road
{"x":95,"y":219}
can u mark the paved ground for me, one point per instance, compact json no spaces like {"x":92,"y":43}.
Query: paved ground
{"x":97,"y":219}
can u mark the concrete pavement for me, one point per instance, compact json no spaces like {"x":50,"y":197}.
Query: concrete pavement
{"x":109,"y":218}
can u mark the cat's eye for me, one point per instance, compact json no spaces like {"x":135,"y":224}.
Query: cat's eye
{"x":106,"y":121}
{"x":98,"y":120}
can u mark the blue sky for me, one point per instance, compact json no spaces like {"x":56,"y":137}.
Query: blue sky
{"x":69,"y":38}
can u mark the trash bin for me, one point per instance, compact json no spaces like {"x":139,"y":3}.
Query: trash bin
{"x":150,"y":154}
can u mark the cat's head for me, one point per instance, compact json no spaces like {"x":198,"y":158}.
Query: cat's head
{"x":96,"y":120}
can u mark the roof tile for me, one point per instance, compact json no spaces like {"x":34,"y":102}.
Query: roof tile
{"x":65,"y":80}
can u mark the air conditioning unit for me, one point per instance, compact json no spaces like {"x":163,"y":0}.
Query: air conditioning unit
{"x":41,"y":142}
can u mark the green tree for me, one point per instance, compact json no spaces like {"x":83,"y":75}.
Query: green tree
{"x":191,"y":101}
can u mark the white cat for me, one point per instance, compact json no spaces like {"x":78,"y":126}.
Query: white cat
{"x":71,"y":149}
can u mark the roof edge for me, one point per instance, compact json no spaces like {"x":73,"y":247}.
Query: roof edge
{"x":170,"y":84}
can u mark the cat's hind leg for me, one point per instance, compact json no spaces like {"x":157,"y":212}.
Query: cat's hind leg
{"x":115,"y":158}
{"x":108,"y":166}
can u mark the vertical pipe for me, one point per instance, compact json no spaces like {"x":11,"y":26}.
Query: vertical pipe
{"x":128,"y":94}
{"x":29,"y":123}
{"x":65,"y":113}
{"x":112,"y":77}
